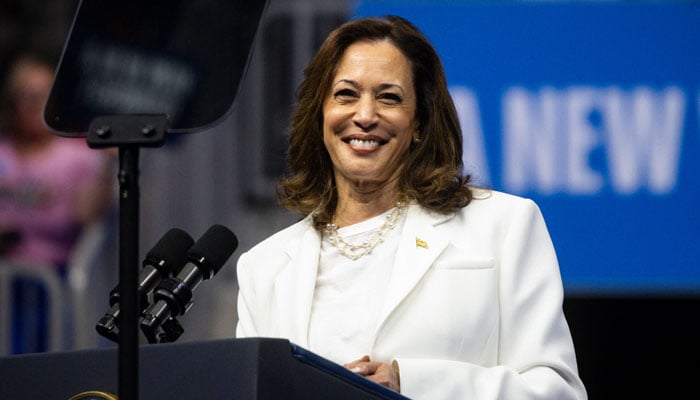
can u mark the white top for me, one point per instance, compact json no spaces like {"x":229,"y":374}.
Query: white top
{"x":348,"y":294}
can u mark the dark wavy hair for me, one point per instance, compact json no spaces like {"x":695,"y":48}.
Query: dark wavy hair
{"x":433,"y":174}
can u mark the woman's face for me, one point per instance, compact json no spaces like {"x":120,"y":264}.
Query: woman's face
{"x":31,"y":87}
{"x":369,"y":115}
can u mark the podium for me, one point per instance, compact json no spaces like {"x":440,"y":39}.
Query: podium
{"x":241,"y":369}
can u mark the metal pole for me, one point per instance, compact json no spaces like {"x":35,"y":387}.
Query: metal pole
{"x":128,"y":273}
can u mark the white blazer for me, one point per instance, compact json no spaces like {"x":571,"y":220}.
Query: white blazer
{"x":473,"y":309}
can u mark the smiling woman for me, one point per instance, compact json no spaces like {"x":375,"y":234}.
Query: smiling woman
{"x":369,"y":121}
{"x":431,"y":172}
{"x":399,"y":270}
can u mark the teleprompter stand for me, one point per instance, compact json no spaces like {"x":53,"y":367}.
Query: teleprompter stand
{"x":126,"y":65}
{"x":128,"y":133}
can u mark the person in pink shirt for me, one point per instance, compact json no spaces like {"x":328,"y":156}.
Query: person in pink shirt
{"x":50,"y":187}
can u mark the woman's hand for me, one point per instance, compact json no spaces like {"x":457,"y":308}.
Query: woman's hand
{"x":378,"y":372}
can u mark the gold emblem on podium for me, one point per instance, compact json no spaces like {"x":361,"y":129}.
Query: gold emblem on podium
{"x":94,"y":395}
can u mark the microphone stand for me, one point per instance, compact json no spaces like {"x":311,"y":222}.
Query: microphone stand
{"x":129,"y":133}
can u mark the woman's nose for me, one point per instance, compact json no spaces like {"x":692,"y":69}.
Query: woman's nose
{"x":366,"y":113}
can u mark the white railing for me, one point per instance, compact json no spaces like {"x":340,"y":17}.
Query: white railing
{"x":74,"y":303}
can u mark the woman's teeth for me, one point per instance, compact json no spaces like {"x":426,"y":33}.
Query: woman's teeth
{"x":364,"y":143}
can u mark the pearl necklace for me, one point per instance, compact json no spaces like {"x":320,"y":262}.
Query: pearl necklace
{"x":355,"y":251}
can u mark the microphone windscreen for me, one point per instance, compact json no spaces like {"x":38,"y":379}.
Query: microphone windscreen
{"x":213,"y":249}
{"x":171,"y":249}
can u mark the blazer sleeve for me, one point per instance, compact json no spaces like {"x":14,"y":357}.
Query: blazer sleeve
{"x":536,"y":358}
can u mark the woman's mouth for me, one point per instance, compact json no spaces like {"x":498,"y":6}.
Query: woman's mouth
{"x":364,"y":144}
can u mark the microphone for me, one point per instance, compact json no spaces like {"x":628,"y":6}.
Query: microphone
{"x":173,"y":296}
{"x":161,"y":261}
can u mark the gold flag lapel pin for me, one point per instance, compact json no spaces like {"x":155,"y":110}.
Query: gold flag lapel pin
{"x":421,"y":243}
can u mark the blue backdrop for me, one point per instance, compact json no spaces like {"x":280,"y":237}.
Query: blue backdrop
{"x":590,"y":109}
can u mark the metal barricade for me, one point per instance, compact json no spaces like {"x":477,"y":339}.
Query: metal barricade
{"x":48,"y":279}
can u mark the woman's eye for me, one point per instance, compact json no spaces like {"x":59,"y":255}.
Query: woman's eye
{"x":344,"y":93}
{"x":390,"y":97}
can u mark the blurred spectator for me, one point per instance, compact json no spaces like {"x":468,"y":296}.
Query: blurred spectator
{"x":50,"y":187}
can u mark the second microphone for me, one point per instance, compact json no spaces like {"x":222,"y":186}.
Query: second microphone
{"x":173,"y":296}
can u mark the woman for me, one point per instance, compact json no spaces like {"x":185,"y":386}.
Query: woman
{"x":399,"y":270}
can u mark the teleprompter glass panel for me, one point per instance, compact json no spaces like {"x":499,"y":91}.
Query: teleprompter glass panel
{"x":182,"y":58}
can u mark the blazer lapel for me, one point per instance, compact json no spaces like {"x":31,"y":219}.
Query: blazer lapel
{"x":419,"y":246}
{"x":295,"y":286}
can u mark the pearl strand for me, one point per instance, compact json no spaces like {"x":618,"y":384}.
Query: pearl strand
{"x":355,"y":251}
